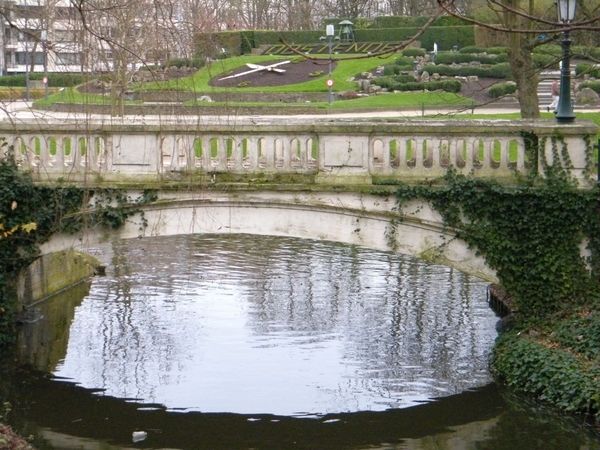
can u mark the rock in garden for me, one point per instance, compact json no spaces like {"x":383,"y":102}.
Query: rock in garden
{"x":588,"y":97}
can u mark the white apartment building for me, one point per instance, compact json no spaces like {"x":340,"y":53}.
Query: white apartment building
{"x":49,"y":35}
{"x":41,"y":36}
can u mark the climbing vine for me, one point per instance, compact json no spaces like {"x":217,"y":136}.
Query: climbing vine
{"x":30,"y":214}
{"x":533,"y":235}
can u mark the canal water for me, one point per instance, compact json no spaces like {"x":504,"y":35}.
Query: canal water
{"x":258,"y":342}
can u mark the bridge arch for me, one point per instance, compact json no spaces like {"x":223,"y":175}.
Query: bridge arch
{"x":347,"y":217}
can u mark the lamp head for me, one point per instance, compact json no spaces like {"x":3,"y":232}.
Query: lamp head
{"x":566,"y":10}
{"x":330,"y":30}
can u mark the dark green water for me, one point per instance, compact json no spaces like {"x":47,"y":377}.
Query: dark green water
{"x":248,"y":342}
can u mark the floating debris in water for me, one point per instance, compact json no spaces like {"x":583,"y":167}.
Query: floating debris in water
{"x":139,"y":436}
{"x":331,"y":421}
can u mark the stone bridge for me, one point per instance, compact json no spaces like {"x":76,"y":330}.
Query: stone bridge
{"x":321,"y":179}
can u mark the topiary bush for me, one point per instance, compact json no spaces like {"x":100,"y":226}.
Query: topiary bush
{"x":587,"y":69}
{"x":413,"y":52}
{"x":501,"y":70}
{"x":404,"y":61}
{"x":472,"y":49}
{"x":407,"y":83}
{"x":544,"y":61}
{"x":593,"y":85}
{"x":501,"y":89}
{"x":460,"y":58}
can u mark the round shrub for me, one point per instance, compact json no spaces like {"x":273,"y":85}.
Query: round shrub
{"x":544,"y":61}
{"x":458,"y":58}
{"x":502,"y":89}
{"x":501,"y":70}
{"x":404,"y":61}
{"x":390,"y":70}
{"x":349,"y":95}
{"x":472,"y":49}
{"x":548,"y":49}
{"x":587,"y":69}
{"x":413,"y":52}
{"x":593,"y":85}
{"x":409,"y":84}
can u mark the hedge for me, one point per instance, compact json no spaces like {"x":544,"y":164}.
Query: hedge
{"x":54,"y":79}
{"x":587,"y":69}
{"x":459,"y":58}
{"x":395,"y":69}
{"x":242,"y":42}
{"x":502,"y":89}
{"x":392,"y":84}
{"x":501,"y":70}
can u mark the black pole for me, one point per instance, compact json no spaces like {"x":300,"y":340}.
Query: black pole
{"x":330,"y":92}
{"x":564,"y":110}
{"x":597,"y":148}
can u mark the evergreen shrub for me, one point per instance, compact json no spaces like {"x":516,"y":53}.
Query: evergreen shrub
{"x":501,"y":70}
{"x":472,"y":49}
{"x":593,"y":85}
{"x":409,"y":84}
{"x":587,"y":69}
{"x":413,"y":52}
{"x":502,"y":89}
{"x":459,"y":58}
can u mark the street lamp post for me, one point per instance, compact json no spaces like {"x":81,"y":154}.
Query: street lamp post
{"x":329,"y":31}
{"x":564,"y":109}
{"x":45,"y":45}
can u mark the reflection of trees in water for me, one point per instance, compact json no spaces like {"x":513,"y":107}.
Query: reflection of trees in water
{"x":404,"y":321}
{"x":401,"y":324}
{"x":135,"y":349}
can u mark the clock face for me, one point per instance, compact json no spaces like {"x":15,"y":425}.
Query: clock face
{"x":272,"y":73}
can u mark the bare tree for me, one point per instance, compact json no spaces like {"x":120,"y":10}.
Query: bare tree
{"x":125,"y":35}
{"x":523,"y":26}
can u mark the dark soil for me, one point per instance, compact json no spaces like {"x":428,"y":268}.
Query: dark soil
{"x":478,"y":90}
{"x":295,"y":72}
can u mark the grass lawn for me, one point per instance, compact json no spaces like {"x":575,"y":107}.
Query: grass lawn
{"x":343,"y":71}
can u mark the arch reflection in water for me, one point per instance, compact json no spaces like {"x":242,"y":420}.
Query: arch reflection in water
{"x":251,"y":324}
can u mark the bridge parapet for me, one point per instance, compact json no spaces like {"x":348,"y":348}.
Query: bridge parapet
{"x":332,"y":150}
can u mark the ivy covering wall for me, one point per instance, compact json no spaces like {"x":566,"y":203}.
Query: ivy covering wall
{"x":533,"y":235}
{"x":30,"y":214}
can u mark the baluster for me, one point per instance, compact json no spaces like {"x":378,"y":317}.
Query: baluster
{"x":237,"y":156}
{"x":270,"y":152}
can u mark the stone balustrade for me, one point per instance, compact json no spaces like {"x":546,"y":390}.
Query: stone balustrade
{"x":333,"y":150}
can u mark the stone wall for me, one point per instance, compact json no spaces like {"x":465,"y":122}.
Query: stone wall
{"x":52,"y":273}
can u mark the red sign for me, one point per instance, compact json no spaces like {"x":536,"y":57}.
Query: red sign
{"x":329,"y":82}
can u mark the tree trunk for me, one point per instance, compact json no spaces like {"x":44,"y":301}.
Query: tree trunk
{"x":521,"y":64}
{"x":526,"y":78}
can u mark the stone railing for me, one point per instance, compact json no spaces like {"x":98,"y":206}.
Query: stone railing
{"x":334,"y":150}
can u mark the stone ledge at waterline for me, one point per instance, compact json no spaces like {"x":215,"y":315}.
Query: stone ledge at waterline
{"x":54,"y":272}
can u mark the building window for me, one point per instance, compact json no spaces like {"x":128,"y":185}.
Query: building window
{"x":66,"y":59}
